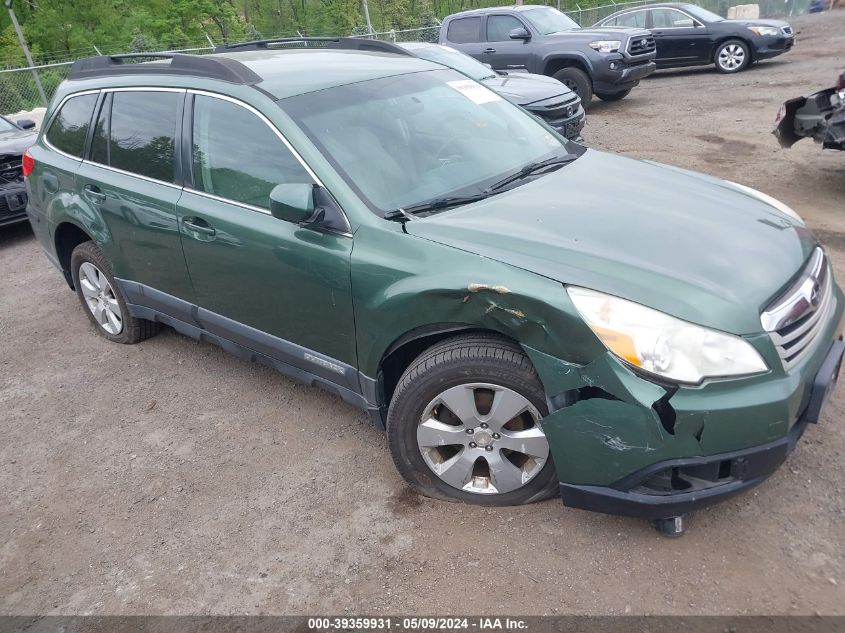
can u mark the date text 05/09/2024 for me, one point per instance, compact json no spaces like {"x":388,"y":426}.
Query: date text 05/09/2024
{"x":416,"y":624}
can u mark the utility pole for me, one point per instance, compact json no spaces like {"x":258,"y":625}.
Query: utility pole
{"x":366,"y":9}
{"x":26,"y":52}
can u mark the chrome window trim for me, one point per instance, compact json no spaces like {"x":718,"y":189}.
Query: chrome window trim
{"x":123,"y":172}
{"x":619,"y":15}
{"x":281,"y":137}
{"x":695,"y":22}
{"x":52,"y":119}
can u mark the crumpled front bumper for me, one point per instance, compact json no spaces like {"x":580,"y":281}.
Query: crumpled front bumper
{"x":625,"y":445}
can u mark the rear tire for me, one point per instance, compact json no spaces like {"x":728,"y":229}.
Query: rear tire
{"x":102,"y":299}
{"x":578,"y":81}
{"x":613,"y":96}
{"x":486,"y":379}
{"x":732,"y":56}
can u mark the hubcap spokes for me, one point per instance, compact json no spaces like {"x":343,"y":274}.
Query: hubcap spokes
{"x":100,"y":298}
{"x":731,"y":57}
{"x":482,"y":438}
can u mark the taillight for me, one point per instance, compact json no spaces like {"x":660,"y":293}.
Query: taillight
{"x":28,"y":164}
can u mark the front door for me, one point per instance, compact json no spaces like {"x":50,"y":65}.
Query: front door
{"x":501,"y":52}
{"x":680,"y":39}
{"x":267,"y":284}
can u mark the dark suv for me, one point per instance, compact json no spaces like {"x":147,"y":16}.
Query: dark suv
{"x":524,"y":315}
{"x":607,"y":62}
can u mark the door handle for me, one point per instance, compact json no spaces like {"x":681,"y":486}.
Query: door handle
{"x":93,"y":194}
{"x":489,"y":50}
{"x":198,"y":225}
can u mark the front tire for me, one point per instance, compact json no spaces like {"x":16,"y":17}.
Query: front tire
{"x":102,"y":299}
{"x":464,"y":424}
{"x":577,"y":81}
{"x":732,"y":56}
{"x":613,"y":96}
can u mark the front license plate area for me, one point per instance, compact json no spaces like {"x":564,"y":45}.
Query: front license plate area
{"x":825,"y":381}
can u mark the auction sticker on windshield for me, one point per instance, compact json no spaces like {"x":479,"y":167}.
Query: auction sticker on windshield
{"x":473,"y":91}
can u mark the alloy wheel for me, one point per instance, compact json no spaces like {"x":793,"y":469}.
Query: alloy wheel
{"x":100,"y":298}
{"x":482,"y":438}
{"x":731,"y":57}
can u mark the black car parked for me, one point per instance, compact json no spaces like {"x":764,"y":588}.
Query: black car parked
{"x":542,"y":96}
{"x":687,"y":35}
{"x":15,"y":139}
{"x":607,"y":62}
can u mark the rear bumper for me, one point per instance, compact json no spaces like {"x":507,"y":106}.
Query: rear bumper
{"x":12,"y":204}
{"x":674,"y":487}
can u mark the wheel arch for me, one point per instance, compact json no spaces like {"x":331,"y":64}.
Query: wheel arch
{"x":68,"y":236}
{"x":727,"y":38}
{"x":406,"y":348}
{"x":558,"y":62}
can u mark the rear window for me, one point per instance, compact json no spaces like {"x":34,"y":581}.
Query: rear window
{"x":70,"y":126}
{"x":464,"y":30}
{"x":142,"y":134}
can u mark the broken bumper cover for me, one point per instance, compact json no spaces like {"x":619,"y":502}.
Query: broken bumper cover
{"x":674,"y":487}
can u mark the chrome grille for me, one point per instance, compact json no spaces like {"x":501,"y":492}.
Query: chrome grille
{"x":796,"y":317}
{"x":641,"y":45}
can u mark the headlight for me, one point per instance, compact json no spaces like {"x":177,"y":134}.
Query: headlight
{"x":661,"y":344}
{"x":777,"y":204}
{"x":764,"y":30}
{"x":606,"y":46}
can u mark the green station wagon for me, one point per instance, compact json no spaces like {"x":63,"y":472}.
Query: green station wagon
{"x":524,"y":316}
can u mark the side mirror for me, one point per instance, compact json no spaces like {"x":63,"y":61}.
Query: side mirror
{"x":26,"y":124}
{"x":292,"y":202}
{"x":519,"y":34}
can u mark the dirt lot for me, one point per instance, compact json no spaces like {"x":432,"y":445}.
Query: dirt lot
{"x":169,"y":477}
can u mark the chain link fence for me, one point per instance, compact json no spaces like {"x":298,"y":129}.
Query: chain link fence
{"x":19,"y":91}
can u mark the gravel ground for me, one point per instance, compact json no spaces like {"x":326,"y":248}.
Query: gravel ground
{"x":169,"y":477}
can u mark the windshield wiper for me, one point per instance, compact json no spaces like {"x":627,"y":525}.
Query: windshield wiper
{"x":432,"y":205}
{"x":531,"y":169}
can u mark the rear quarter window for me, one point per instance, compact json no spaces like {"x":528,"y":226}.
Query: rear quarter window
{"x":70,"y":126}
{"x":464,"y":30}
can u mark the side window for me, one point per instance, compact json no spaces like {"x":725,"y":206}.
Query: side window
{"x":669,"y":18}
{"x":500,"y":26}
{"x":633,"y":20}
{"x":237,"y":156}
{"x":464,"y":30}
{"x":100,"y":142}
{"x":70,"y":126}
{"x":142,"y":134}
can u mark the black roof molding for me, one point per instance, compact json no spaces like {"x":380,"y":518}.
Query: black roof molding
{"x":343,"y":43}
{"x":221,"y":68}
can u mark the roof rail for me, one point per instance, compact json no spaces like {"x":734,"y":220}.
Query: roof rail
{"x":343,"y":43}
{"x":221,"y":68}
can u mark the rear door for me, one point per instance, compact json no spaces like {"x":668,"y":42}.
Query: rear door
{"x":501,"y":52}
{"x":132,"y":180}
{"x":680,"y":39}
{"x":265,"y":283}
{"x":464,"y":34}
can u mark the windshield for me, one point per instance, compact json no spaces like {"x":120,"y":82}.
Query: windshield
{"x":548,"y":20}
{"x":404,"y":140}
{"x":6,"y":126}
{"x":454,"y":59}
{"x":702,"y":14}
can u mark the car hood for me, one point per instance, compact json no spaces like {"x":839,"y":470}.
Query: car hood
{"x":777,"y":23}
{"x":525,"y":89}
{"x":16,"y":142}
{"x":693,"y":246}
{"x":598,"y":33}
